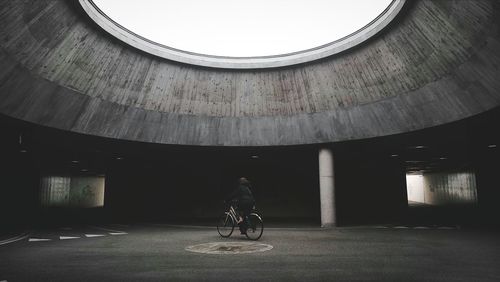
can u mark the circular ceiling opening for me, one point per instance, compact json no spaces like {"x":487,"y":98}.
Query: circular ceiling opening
{"x":243,"y":34}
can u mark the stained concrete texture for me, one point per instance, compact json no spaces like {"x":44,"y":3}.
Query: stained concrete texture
{"x":436,"y":63}
{"x":157,"y":253}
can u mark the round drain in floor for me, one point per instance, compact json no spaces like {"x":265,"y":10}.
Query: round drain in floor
{"x":226,"y":248}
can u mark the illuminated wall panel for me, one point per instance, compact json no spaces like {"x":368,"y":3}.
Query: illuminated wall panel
{"x":54,"y":191}
{"x":74,"y":192}
{"x":442,"y":188}
{"x":87,"y":192}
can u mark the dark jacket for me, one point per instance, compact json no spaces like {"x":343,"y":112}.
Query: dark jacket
{"x":242,"y":193}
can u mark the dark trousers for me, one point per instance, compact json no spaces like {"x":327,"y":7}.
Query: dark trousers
{"x":244,"y":208}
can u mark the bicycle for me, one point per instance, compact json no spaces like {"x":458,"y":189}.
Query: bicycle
{"x":226,"y":224}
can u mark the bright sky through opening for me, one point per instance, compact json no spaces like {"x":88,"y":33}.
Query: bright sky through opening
{"x":236,"y":28}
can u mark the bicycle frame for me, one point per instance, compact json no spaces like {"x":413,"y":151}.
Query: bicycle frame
{"x":232,"y":213}
{"x":253,"y":224}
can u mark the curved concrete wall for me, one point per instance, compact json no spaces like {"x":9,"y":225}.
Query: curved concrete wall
{"x":438,"y":63}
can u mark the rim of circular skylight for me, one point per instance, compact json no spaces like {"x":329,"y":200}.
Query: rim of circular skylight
{"x":261,"y":62}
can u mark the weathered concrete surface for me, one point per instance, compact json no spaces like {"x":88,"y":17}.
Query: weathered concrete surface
{"x":436,"y":64}
{"x":158,"y":254}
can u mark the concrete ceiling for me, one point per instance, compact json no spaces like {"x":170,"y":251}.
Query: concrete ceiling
{"x":438,"y":62}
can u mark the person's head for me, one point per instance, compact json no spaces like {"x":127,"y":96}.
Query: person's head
{"x":243,"y":181}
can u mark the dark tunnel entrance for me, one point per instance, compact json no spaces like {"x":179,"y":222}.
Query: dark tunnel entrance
{"x":193,"y":186}
{"x":165,"y":183}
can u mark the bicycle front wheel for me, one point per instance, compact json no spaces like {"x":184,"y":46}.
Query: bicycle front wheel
{"x":255,"y":227}
{"x":225,"y":225}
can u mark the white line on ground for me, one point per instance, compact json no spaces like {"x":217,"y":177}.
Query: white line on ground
{"x":15,"y":239}
{"x":4,"y":281}
{"x":94,"y":235}
{"x":118,"y":233}
{"x":67,"y":238}
{"x":38,"y":240}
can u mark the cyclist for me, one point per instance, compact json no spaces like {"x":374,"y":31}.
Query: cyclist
{"x":244,"y":202}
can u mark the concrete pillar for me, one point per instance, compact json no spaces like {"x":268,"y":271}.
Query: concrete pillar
{"x":327,"y":187}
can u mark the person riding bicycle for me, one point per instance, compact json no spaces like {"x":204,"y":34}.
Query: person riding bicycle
{"x":244,"y":201}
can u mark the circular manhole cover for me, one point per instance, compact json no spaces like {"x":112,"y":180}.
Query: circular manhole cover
{"x":229,"y":248}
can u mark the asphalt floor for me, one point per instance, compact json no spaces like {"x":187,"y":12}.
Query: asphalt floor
{"x":157,"y":252}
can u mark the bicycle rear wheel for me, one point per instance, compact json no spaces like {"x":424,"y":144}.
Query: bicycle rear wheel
{"x":225,"y":225}
{"x":255,"y":227}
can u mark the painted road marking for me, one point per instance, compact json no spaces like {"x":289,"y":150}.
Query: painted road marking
{"x":94,"y":235}
{"x":15,"y":239}
{"x":38,"y":240}
{"x":118,"y":233}
{"x":67,"y":238}
{"x":224,"y":248}
{"x":107,"y":229}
